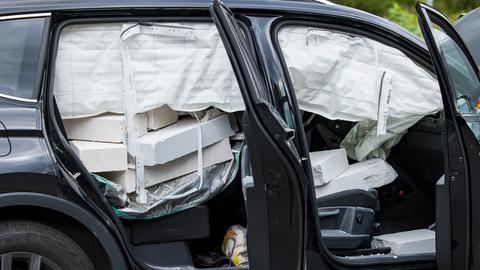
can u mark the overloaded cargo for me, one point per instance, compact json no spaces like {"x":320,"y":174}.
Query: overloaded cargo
{"x":162,"y":137}
{"x":177,"y":194}
{"x":179,"y":139}
{"x":155,"y":126}
{"x":214,"y":154}
{"x":182,"y":157}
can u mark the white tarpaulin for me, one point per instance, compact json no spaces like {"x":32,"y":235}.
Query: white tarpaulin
{"x":183,"y":65}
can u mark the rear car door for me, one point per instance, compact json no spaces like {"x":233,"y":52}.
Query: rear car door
{"x":458,"y":193}
{"x":276,"y":202}
{"x":22,"y":58}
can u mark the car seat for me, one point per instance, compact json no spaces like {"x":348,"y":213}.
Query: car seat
{"x":347,"y":204}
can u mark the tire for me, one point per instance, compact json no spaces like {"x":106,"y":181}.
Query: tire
{"x":29,"y":242}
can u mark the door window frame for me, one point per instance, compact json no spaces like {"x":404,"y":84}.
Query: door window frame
{"x":463,"y":149}
{"x":417,"y":54}
{"x":41,"y":58}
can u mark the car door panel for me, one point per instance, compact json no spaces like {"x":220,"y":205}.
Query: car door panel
{"x":275,"y":203}
{"x":451,"y":59}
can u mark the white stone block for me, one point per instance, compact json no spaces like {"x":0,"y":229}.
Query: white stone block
{"x":180,"y":139}
{"x":161,"y":117}
{"x":141,"y":124}
{"x":103,"y":128}
{"x":364,"y":175}
{"x":328,"y":164}
{"x":214,"y":154}
{"x":407,"y":243}
{"x":100,"y":156}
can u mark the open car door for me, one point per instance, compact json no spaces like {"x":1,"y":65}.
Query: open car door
{"x":275,"y":202}
{"x":458,"y":194}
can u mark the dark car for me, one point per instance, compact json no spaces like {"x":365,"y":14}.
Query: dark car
{"x":245,"y":135}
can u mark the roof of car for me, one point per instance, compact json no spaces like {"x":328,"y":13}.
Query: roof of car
{"x":10,"y":7}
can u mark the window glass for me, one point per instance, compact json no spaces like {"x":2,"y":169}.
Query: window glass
{"x":463,"y":79}
{"x":19,"y":55}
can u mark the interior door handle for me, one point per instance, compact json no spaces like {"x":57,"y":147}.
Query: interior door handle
{"x":327,"y":213}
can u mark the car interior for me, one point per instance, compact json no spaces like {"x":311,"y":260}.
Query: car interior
{"x":198,"y":212}
{"x":380,"y":204}
{"x":350,"y":218}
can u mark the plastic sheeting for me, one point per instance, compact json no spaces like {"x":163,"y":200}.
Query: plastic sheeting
{"x":166,"y":198}
{"x":352,"y":78}
{"x":183,"y":65}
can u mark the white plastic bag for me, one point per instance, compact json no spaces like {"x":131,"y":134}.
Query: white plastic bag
{"x":234,"y":245}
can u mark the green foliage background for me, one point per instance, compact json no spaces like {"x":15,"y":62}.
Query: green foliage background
{"x":403,"y":13}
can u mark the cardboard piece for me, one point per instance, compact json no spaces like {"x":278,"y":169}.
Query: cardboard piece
{"x":161,"y":117}
{"x":180,"y":139}
{"x":408,"y":242}
{"x":103,"y":128}
{"x":214,"y":154}
{"x":100,"y":156}
{"x":328,"y":164}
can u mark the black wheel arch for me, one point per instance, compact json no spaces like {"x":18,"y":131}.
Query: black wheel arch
{"x":24,"y":205}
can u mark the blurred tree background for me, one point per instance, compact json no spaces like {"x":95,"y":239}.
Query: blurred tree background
{"x":403,"y":12}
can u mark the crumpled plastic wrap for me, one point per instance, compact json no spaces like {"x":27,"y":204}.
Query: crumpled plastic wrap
{"x":161,"y":199}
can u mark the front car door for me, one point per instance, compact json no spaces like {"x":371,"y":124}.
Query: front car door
{"x":276,"y":202}
{"x":458,"y":242}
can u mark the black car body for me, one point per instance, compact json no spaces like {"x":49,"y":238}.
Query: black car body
{"x":42,"y":180}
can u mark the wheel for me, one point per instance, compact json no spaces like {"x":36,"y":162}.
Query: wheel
{"x":33,"y":245}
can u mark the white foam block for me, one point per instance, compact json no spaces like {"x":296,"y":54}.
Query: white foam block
{"x":214,"y":154}
{"x":180,"y":139}
{"x":328,"y":164}
{"x":161,"y":117}
{"x":101,"y":157}
{"x":103,"y":128}
{"x":407,"y":243}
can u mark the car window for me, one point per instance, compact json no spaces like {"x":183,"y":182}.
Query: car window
{"x":19,"y":55}
{"x":462,"y":78}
